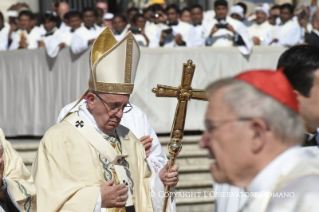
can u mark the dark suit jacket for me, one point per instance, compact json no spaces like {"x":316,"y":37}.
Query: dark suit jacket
{"x":312,"y":39}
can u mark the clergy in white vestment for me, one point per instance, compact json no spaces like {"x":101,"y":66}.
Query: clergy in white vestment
{"x":120,"y":26}
{"x":75,"y":21}
{"x":4,"y":32}
{"x":200,"y":27}
{"x":138,"y":30}
{"x":179,"y":33}
{"x":52,"y":40}
{"x":154,"y":28}
{"x":261,"y":27}
{"x":26,"y":37}
{"x":224,"y":31}
{"x":84,"y":36}
{"x":287,"y":33}
{"x":93,"y":162}
{"x":267,"y":132}
{"x":17,"y":190}
{"x":136,"y":121}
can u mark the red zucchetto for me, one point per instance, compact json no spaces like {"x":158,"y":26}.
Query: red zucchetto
{"x":274,"y":84}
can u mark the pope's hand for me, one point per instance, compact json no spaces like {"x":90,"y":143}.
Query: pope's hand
{"x":170,"y":179}
{"x":113,"y":196}
{"x":147,"y":143}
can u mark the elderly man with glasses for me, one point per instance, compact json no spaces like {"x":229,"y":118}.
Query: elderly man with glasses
{"x":254,"y":133}
{"x":89,"y":161}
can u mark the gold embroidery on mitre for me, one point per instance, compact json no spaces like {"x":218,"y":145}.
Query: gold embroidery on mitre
{"x":104,"y":42}
{"x":111,"y":87}
{"x":128,"y":61}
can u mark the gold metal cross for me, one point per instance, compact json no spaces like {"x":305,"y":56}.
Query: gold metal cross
{"x":183,"y":93}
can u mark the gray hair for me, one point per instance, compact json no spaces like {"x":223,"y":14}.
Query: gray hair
{"x":248,"y":102}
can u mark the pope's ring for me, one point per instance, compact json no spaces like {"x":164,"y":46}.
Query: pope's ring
{"x":120,"y":198}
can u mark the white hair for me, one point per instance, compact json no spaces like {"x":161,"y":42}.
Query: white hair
{"x":248,"y":102}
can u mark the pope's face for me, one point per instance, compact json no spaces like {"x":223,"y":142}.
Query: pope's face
{"x":227,"y":139}
{"x":107,"y":119}
{"x":260,"y":16}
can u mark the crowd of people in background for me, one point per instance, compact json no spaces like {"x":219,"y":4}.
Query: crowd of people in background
{"x":160,"y":25}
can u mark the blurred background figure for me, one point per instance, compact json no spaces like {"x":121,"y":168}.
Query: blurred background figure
{"x":63,"y":8}
{"x":287,"y":33}
{"x":138,"y":30}
{"x":185,"y":15}
{"x":102,"y":5}
{"x":274,"y":14}
{"x":197,"y":21}
{"x":244,"y":20}
{"x":179,"y":33}
{"x":312,"y":38}
{"x":119,"y":26}
{"x":26,"y":36}
{"x":85,"y":35}
{"x":237,"y":12}
{"x":130,"y":13}
{"x":261,"y":27}
{"x":4,"y":32}
{"x":52,"y":40}
{"x":99,"y":18}
{"x":107,"y":21}
{"x":75,"y":21}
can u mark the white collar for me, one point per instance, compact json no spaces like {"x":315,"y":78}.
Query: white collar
{"x":85,"y":114}
{"x":317,"y":33}
{"x":282,"y":164}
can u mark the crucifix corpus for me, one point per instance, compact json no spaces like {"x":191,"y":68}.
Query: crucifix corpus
{"x":183,"y":93}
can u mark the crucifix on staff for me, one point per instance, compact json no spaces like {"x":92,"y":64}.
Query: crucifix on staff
{"x":183,"y":93}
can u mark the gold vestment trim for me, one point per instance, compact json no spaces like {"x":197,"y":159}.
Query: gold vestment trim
{"x":112,"y":87}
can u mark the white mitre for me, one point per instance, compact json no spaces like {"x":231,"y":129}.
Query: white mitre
{"x":113,"y":63}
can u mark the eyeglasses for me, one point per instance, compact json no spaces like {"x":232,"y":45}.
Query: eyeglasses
{"x":115,"y":109}
{"x":211,"y":126}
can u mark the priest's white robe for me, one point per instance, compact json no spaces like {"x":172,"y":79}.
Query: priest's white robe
{"x":119,"y":37}
{"x":288,"y":34}
{"x":81,"y":36}
{"x":63,"y":27}
{"x":141,"y":40}
{"x":260,"y":30}
{"x":187,"y":32}
{"x":4,"y":32}
{"x":224,"y":38}
{"x":136,"y":121}
{"x":153,"y":33}
{"x":32,"y":38}
{"x":67,"y":37}
{"x":201,"y":32}
{"x":52,"y":42}
{"x":71,"y":159}
{"x":20,"y":187}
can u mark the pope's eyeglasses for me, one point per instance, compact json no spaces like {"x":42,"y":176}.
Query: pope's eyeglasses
{"x":115,"y":109}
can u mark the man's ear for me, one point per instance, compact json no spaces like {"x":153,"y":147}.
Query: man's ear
{"x":90,"y":101}
{"x":259,"y":128}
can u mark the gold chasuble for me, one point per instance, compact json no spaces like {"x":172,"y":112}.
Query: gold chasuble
{"x":75,"y":158}
{"x":69,"y":169}
{"x":20,"y":187}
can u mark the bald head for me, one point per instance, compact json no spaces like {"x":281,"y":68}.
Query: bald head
{"x":63,"y":9}
{"x":103,"y":6}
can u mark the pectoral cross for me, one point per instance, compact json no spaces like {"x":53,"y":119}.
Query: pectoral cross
{"x":183,"y":93}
